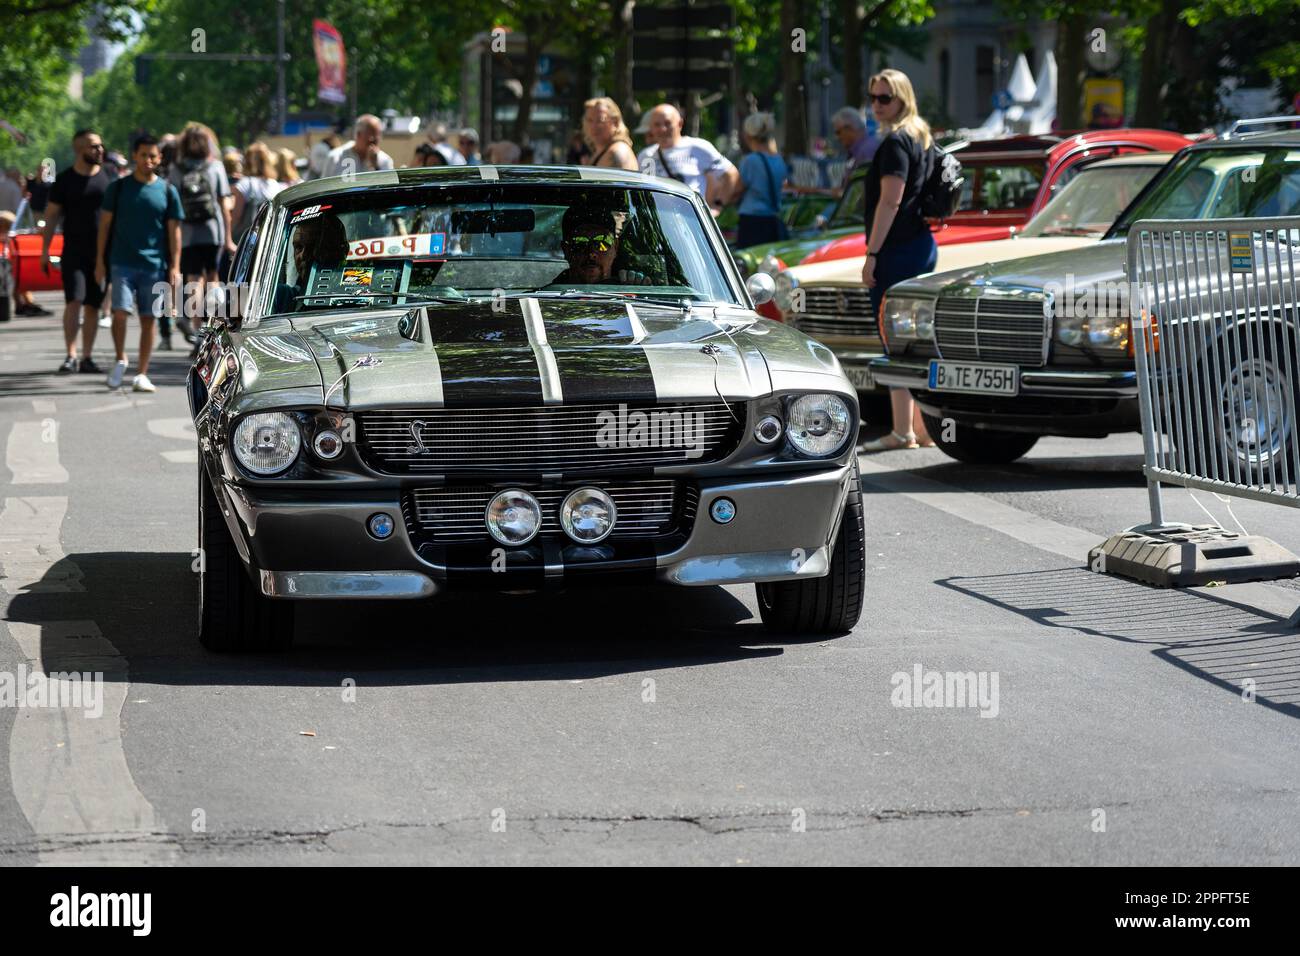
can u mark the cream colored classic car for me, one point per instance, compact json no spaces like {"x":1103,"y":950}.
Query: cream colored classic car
{"x":827,"y":300}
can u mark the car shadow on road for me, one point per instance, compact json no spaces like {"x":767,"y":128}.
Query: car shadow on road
{"x":1041,"y":475}
{"x":145,"y":605}
{"x":1209,"y":637}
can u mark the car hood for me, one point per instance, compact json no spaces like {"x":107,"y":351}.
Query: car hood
{"x":1076,"y":267}
{"x":855,"y":245}
{"x":964,"y":256}
{"x":793,"y":250}
{"x":538,"y":350}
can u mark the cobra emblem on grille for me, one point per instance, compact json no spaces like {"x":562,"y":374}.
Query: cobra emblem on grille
{"x":418,"y":448}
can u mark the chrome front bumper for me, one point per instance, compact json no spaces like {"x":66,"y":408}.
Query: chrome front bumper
{"x":784,"y":529}
{"x":1066,"y":383}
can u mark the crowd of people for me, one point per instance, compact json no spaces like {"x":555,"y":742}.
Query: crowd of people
{"x":175,"y":209}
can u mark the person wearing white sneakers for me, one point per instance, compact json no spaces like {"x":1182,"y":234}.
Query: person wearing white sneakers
{"x":143,"y":213}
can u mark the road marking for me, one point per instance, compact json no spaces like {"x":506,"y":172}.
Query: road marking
{"x":43,"y":406}
{"x":118,"y":406}
{"x":32,"y":454}
{"x":31,"y":557}
{"x":179,"y":429}
{"x":68,"y":768}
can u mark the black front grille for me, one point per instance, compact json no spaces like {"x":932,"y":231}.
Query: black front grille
{"x":645,"y":508}
{"x":552,"y":438}
{"x":992,"y":328}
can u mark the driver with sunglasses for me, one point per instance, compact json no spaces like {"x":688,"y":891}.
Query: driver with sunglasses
{"x":591,"y":245}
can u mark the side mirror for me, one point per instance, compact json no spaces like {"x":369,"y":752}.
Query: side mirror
{"x":761,"y":288}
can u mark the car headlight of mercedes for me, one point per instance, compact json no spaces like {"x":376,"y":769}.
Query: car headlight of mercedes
{"x":786,"y":285}
{"x":909,"y":318}
{"x":266,"y":443}
{"x":818,"y":425}
{"x":1109,"y":331}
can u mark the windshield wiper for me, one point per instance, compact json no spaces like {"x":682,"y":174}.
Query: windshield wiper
{"x":659,"y":299}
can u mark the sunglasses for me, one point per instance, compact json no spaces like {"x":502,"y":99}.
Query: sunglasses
{"x":602,"y":243}
{"x":884,"y":99}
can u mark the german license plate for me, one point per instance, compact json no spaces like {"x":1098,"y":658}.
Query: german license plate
{"x":861,"y":377}
{"x":968,"y":377}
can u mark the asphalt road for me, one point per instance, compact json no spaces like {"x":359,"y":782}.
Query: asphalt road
{"x":635,"y":726}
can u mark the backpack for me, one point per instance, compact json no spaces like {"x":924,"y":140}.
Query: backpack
{"x":197,"y":199}
{"x":941,"y":191}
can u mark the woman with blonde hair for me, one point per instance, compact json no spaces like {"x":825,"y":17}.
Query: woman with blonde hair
{"x":762,"y":173}
{"x":286,"y":169}
{"x":605,"y":132}
{"x":255,"y":187}
{"x":899,"y":244}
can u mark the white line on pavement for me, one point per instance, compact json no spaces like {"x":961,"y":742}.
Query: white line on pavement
{"x":31,"y":557}
{"x":178,"y":429}
{"x":43,"y":406}
{"x":121,"y":404}
{"x":67,"y":764}
{"x":32,"y":453}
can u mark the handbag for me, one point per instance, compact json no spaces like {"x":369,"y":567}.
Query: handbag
{"x":782,"y":231}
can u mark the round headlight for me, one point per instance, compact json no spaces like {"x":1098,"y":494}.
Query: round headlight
{"x":514,"y":517}
{"x":588,"y":515}
{"x":818,"y":425}
{"x":266,"y":443}
{"x":785,"y":286}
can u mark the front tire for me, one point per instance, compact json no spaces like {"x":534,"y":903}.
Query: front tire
{"x":979,"y":446}
{"x":830,"y":604}
{"x":233,"y":614}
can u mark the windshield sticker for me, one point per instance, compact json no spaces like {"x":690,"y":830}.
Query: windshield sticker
{"x":417,"y":244}
{"x":359,"y":276}
{"x":308,"y":212}
{"x":1241,"y":251}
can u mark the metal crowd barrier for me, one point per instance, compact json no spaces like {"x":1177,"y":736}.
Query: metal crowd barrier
{"x":1215,"y":311}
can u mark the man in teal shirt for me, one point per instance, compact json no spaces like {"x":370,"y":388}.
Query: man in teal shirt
{"x":143,"y":215}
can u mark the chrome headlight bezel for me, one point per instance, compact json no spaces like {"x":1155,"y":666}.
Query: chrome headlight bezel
{"x":908,"y":318}
{"x":811,"y":417}
{"x":252,"y":432}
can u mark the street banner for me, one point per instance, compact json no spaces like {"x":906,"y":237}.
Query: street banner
{"x":331,"y":62}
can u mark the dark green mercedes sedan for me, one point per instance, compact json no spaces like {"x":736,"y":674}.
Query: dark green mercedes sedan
{"x":512,"y":378}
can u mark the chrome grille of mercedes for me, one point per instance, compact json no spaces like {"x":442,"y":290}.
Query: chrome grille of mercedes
{"x":836,"y":310}
{"x":646,"y":508}
{"x":552,"y":438}
{"x":992,"y":329}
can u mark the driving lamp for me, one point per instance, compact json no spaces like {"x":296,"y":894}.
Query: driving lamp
{"x":588,"y":515}
{"x":514,"y":517}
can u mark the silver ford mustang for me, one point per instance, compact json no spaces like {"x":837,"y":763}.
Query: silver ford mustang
{"x":512,"y":378}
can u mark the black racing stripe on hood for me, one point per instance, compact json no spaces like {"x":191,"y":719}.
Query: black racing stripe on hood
{"x":596,"y":354}
{"x":485,"y":357}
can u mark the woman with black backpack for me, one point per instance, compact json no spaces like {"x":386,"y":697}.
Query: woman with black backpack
{"x":899,"y":244}
{"x":200,"y":177}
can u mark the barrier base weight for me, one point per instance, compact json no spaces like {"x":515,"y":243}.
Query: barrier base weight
{"x":1182,"y":555}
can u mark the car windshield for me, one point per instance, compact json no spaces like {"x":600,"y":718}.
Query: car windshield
{"x":849,"y":210}
{"x":400,"y":246}
{"x":1089,"y":203}
{"x":999,"y":185}
{"x":1222,"y":184}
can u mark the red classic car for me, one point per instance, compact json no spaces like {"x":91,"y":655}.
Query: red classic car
{"x":1009,"y":180}
{"x":26,"y":254}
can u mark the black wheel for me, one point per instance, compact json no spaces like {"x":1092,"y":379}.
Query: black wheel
{"x":830,"y":604}
{"x":233,"y":615}
{"x":979,"y":446}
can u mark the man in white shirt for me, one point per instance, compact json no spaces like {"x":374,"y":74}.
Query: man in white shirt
{"x":688,"y":159}
{"x":363,"y":153}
